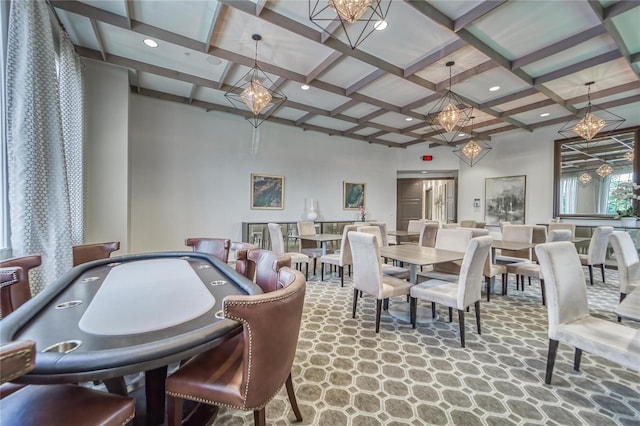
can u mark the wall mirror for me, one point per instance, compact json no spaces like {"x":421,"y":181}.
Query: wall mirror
{"x":587,"y":174}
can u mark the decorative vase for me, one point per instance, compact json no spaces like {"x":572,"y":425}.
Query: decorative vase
{"x":312,"y":214}
{"x":628,"y":222}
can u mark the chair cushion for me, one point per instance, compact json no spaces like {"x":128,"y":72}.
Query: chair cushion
{"x":312,"y":252}
{"x":441,"y":292}
{"x":527,"y":269}
{"x":435,"y":275}
{"x":332,"y":259}
{"x":496,"y":270}
{"x":298,"y":257}
{"x":395,"y":271}
{"x":392,"y":286}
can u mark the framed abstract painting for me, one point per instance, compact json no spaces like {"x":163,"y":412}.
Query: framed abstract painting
{"x":504,"y":199}
{"x":267,"y":192}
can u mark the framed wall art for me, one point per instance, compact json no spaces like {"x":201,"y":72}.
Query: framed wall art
{"x":353,"y":195}
{"x":504,"y":199}
{"x":267,"y":192}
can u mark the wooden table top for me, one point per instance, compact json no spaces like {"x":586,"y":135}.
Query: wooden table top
{"x":320,"y":237}
{"x":417,"y":255}
{"x":403,"y":233}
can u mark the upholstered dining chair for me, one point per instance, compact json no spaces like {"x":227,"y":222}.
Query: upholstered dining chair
{"x":597,"y":252}
{"x":262,"y":266}
{"x":568,"y":313}
{"x":460,"y":295}
{"x":517,"y":234}
{"x":217,"y":247}
{"x":467,"y":223}
{"x":342,"y":258}
{"x":415,"y":226}
{"x":627,"y":261}
{"x":89,"y":252}
{"x":246,"y":371}
{"x":452,"y":239}
{"x":277,"y":245}
{"x":367,"y":274}
{"x":522,"y":270}
{"x":563,"y":225}
{"x":384,"y":242}
{"x":387,"y":269}
{"x":429,"y":234}
{"x":14,"y":295}
{"x":55,"y":404}
{"x":310,"y":248}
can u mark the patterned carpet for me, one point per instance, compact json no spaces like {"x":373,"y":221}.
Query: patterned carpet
{"x":345,"y":374}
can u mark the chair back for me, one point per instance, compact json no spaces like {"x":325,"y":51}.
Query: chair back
{"x":481,"y":224}
{"x":306,"y":228}
{"x":502,"y":225}
{"x":373,"y":230}
{"x":271,"y":324}
{"x":346,"y":257}
{"x":415,"y":225}
{"x":17,"y":359}
{"x":598,"y":245}
{"x":471,"y":271}
{"x":384,"y":240}
{"x":90,"y":252}
{"x":238,"y":245}
{"x":564,"y":282}
{"x":467,"y":223}
{"x":559,"y":235}
{"x":14,"y":295}
{"x":450,"y":225}
{"x":518,"y":234}
{"x":570,"y":226}
{"x":626,"y":258}
{"x":277,"y":240}
{"x":217,"y":247}
{"x":367,"y":269}
{"x":264,"y":267}
{"x":538,"y":236}
{"x":429,"y":234}
{"x":453,"y":239}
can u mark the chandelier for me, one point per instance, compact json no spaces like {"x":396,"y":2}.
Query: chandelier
{"x":585,"y":178}
{"x":594,"y":120}
{"x":450,"y":114}
{"x":472,"y":151}
{"x":604,"y":170}
{"x":253,"y":92}
{"x":629,"y":155}
{"x":355,"y":19}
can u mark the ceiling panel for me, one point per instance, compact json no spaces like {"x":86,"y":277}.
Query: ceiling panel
{"x":315,"y":97}
{"x":395,"y":90}
{"x":330,"y":123}
{"x":477,"y":87}
{"x":79,"y":29}
{"x":627,"y":25}
{"x":163,"y":84}
{"x":346,"y":72}
{"x":188,"y":18}
{"x":464,"y":59}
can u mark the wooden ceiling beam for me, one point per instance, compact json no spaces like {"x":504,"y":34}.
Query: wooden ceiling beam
{"x":476,"y":13}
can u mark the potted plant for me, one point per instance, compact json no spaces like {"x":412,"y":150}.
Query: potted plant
{"x":625,"y":194}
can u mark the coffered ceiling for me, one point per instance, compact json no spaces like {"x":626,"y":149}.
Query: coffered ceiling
{"x":540,"y":53}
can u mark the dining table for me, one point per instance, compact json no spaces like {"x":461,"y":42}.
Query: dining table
{"x":113,"y":317}
{"x":323,"y":239}
{"x":416,"y":256}
{"x":402,"y":236}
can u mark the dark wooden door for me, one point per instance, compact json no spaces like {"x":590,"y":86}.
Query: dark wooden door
{"x":409,"y":202}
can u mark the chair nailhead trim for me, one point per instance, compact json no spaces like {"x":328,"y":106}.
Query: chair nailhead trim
{"x":25,"y":354}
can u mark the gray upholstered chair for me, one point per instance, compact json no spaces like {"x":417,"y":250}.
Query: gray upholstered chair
{"x":415,"y":226}
{"x":342,"y":258}
{"x":597,"y":250}
{"x":367,"y":274}
{"x":384,"y":242}
{"x":522,"y":270}
{"x":461,"y":294}
{"x":277,"y":245}
{"x":217,"y":247}
{"x":453,"y":240}
{"x":387,"y":269}
{"x":467,"y":223}
{"x":568,"y":313}
{"x":310,"y":248}
{"x":429,"y":234}
{"x":562,"y":225}
{"x":518,"y":234}
{"x":55,"y":404}
{"x":627,"y":260}
{"x":248,"y":370}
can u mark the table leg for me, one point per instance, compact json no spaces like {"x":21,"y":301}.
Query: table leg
{"x":400,"y":311}
{"x":116,"y":385}
{"x":154,"y":393}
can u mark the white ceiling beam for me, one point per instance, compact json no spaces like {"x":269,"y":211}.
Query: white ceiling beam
{"x":476,"y":13}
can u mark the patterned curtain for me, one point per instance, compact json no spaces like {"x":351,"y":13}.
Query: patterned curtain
{"x":38,"y":173}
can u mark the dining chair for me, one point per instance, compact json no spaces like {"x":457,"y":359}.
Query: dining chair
{"x":262,"y":267}
{"x":277,"y":245}
{"x":568,"y":313}
{"x":89,"y":252}
{"x":246,"y":371}
{"x":517,"y":234}
{"x":217,"y":247}
{"x":429,"y":234}
{"x":597,"y":252}
{"x":13,"y":296}
{"x":627,"y":260}
{"x":342,"y":258}
{"x":468,"y":223}
{"x":563,"y":225}
{"x":310,"y":248}
{"x":522,"y":270}
{"x":384,"y":242}
{"x":452,"y":239}
{"x":458,"y":295}
{"x":367,"y":274}
{"x":415,"y":226}
{"x":55,"y":404}
{"x":387,"y":269}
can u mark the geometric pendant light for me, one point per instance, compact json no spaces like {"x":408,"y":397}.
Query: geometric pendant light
{"x":594,"y":121}
{"x":355,"y":19}
{"x":253,"y":92}
{"x":472,"y":151}
{"x":450,"y":114}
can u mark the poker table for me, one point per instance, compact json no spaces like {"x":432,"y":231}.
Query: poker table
{"x":105,"y":319}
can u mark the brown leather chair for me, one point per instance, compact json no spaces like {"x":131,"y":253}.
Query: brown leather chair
{"x":262,"y":266}
{"x":218,"y":247}
{"x":14,"y":295}
{"x":238,"y":245}
{"x":55,"y":405}
{"x":90,"y":252}
{"x":248,"y":370}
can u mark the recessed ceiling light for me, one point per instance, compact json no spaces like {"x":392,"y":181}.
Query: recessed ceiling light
{"x":408,"y":119}
{"x":462,"y":134}
{"x":545,"y":114}
{"x":305,"y":87}
{"x":380,"y":25}
{"x":150,"y":43}
{"x":424,"y":171}
{"x":494,"y":88}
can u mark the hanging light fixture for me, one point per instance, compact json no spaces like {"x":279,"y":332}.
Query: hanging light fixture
{"x":585,"y":178}
{"x":472,"y":151}
{"x":355,"y":19}
{"x":594,"y":121}
{"x":604,"y":170}
{"x":253,"y":91}
{"x":450,"y":114}
{"x":629,"y":155}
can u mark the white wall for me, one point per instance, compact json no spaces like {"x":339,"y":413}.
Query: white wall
{"x":107,"y":176}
